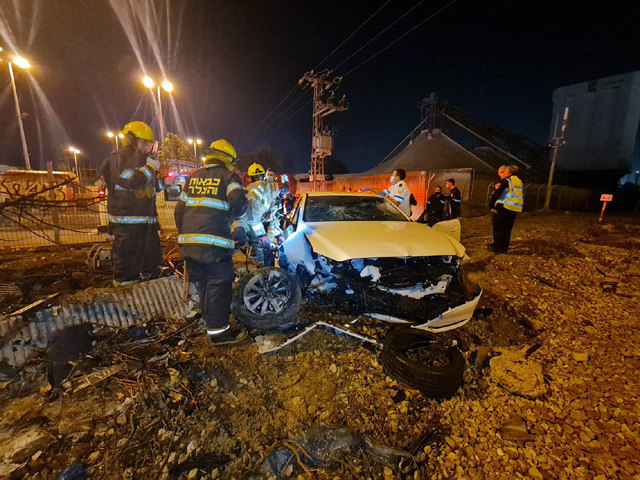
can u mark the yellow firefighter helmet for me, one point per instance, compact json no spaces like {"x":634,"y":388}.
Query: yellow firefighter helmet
{"x":137,"y":129}
{"x":223,"y":151}
{"x":255,"y":169}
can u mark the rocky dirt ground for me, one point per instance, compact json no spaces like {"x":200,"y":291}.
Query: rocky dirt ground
{"x":550,"y":390}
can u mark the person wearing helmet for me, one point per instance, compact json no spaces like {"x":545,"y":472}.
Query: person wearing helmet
{"x":130,"y":175}
{"x":212,"y":197}
{"x":262,"y":196}
{"x":256,"y":172}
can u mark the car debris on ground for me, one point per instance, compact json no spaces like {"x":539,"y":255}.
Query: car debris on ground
{"x":158,"y":401}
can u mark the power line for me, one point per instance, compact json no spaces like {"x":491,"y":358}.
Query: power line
{"x":256,"y":128}
{"x":388,"y":27}
{"x":401,"y":37}
{"x":266,"y":129}
{"x":353,"y":33}
{"x":273,"y":110}
{"x":295,"y":113}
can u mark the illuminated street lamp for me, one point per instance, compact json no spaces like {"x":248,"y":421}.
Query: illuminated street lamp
{"x":115,"y":137}
{"x":75,"y":152}
{"x":168,"y":87}
{"x":195,"y":143}
{"x":22,"y":63}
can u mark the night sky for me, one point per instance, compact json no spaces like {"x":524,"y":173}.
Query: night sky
{"x":233,"y":62}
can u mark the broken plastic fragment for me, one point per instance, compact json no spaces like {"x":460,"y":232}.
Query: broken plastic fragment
{"x":323,"y":284}
{"x":371,"y":271}
{"x":419,"y":291}
{"x":357,"y":263}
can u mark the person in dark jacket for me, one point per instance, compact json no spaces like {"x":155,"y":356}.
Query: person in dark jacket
{"x":435,"y":208}
{"x":130,"y":175}
{"x":212,"y":197}
{"x":454,"y":199}
{"x":506,"y":201}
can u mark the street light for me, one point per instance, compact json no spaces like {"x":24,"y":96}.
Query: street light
{"x":195,"y":143}
{"x":115,"y":137}
{"x":22,"y":63}
{"x":75,"y":152}
{"x":168,"y":87}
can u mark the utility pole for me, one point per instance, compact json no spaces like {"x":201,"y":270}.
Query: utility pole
{"x":558,"y":141}
{"x":322,"y":140}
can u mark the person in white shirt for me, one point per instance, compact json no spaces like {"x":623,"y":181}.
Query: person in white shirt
{"x":398,"y":192}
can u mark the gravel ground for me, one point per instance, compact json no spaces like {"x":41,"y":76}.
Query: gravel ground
{"x":551,"y":386}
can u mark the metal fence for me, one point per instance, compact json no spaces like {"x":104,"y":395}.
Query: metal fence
{"x":63,"y":213}
{"x":58,"y":211}
{"x":562,"y":197}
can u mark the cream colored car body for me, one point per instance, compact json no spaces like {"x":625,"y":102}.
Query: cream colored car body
{"x":348,"y":240}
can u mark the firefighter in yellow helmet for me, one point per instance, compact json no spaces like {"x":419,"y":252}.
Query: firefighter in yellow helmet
{"x":262,"y":195}
{"x":213,"y":195}
{"x":130,"y":175}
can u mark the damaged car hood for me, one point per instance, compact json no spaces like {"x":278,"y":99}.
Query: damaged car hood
{"x":342,"y":241}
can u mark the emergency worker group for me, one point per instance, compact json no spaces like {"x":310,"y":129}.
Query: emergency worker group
{"x":216,"y":213}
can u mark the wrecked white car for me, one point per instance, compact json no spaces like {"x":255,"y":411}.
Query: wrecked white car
{"x":359,"y":254}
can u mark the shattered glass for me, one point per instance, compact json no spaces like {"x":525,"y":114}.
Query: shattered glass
{"x":351,"y":209}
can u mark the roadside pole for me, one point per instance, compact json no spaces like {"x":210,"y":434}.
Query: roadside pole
{"x":558,"y":142}
{"x":604,"y":198}
{"x":55,"y":215}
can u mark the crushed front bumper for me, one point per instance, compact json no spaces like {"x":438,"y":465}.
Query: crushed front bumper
{"x":448,"y":320}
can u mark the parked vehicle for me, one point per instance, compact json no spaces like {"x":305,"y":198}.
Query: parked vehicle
{"x":359,"y":254}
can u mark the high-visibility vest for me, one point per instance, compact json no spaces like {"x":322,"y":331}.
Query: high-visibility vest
{"x":512,"y":197}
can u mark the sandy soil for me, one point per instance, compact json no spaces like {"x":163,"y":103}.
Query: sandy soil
{"x":178,"y":408}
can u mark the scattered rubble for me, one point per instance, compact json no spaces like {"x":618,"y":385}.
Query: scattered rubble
{"x":518,"y":374}
{"x":170,"y":405}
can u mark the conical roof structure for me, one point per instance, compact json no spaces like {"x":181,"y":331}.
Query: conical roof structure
{"x":432,"y":151}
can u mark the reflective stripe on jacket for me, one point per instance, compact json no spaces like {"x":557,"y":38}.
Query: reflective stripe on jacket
{"x":129,"y":220}
{"x":132,"y":187}
{"x":212,"y":196}
{"x":512,"y":197}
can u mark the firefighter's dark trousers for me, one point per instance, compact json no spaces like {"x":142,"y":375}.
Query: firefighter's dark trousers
{"x":502,"y":225}
{"x":214,"y":282}
{"x":136,"y":252}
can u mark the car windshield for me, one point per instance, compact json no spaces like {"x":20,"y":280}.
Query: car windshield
{"x":346,"y":208}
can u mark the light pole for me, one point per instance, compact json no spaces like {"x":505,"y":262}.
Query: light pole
{"x":75,"y":152}
{"x":115,"y":137}
{"x":194,"y":142}
{"x":22,"y":63}
{"x":168,"y":87}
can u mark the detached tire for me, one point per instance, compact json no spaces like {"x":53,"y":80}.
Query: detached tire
{"x":415,"y":358}
{"x":266,"y":298}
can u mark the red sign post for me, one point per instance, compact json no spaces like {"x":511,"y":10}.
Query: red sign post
{"x":604,"y":198}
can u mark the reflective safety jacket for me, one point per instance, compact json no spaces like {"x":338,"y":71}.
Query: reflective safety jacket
{"x":512,"y":197}
{"x":212,"y":196}
{"x":132,"y":185}
{"x":263,"y":198}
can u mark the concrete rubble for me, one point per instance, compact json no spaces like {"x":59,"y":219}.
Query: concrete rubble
{"x":550,"y":389}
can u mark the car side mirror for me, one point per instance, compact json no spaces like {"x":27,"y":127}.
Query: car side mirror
{"x":172,"y":194}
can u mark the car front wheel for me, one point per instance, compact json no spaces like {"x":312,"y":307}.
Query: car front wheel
{"x":266,"y":298}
